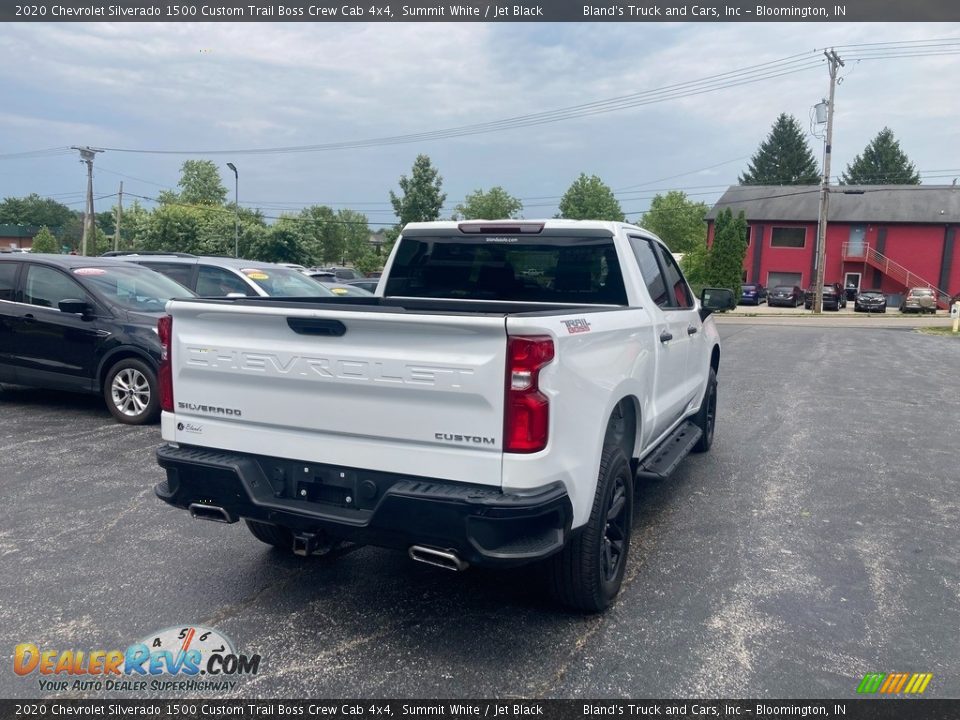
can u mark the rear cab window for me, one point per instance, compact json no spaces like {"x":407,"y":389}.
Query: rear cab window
{"x":542,"y":268}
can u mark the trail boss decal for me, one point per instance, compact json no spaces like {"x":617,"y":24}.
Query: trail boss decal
{"x":577,"y":325}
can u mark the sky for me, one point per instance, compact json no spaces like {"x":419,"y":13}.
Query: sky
{"x":240,"y":86}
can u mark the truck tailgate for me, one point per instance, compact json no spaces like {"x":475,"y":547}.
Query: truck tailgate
{"x":343,"y":387}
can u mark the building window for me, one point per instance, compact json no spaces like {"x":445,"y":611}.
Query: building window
{"x":788,"y":237}
{"x":749,"y":233}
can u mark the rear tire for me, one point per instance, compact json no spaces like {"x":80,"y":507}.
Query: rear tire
{"x":276,"y":535}
{"x":588,"y":572}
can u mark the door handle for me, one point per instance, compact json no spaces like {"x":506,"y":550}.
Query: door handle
{"x":666,"y":336}
{"x":317,"y":326}
{"x":29,"y":318}
{"x":691,"y":330}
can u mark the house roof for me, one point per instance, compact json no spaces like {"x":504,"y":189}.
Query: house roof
{"x":936,"y":204}
{"x":18,"y":231}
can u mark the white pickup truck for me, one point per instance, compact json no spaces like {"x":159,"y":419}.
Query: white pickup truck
{"x":491,"y":405}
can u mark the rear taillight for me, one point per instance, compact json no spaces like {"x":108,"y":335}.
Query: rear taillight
{"x":526,"y":421}
{"x":165,"y":331}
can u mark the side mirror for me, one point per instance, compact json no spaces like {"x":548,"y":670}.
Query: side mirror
{"x":75,"y":307}
{"x":716,"y":299}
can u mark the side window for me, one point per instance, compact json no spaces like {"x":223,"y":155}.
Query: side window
{"x":650,"y":270}
{"x":180,"y":272}
{"x":46,"y":287}
{"x":8,"y":279}
{"x":217,"y":282}
{"x":679,"y":290}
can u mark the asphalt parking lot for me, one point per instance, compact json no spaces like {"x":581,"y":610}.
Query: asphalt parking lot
{"x":818,"y":541}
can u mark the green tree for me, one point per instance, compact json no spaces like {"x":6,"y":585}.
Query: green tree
{"x":494,"y":204}
{"x":881,"y":163}
{"x":677,"y":220}
{"x":71,"y":234}
{"x":282,"y":242}
{"x":200,"y":183}
{"x":135,"y":220}
{"x":35,"y":210}
{"x":784,"y":158}
{"x":356,"y":234}
{"x":45,"y":242}
{"x":322,"y":237}
{"x":588,"y":198}
{"x":182,"y":228}
{"x":368,"y":262}
{"x":422,"y":195}
{"x":723,"y":267}
{"x":694,"y":266}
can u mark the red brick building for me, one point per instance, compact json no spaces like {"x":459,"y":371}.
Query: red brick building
{"x":888,"y":237}
{"x":14,"y":237}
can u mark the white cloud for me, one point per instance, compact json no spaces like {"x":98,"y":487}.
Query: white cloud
{"x":223,"y":85}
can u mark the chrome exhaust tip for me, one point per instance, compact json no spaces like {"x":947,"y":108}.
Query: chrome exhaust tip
{"x":446,"y":559}
{"x":213,"y":513}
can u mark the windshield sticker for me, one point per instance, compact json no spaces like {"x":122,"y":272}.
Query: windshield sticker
{"x":255,"y":274}
{"x":89,"y":271}
{"x":577,"y":325}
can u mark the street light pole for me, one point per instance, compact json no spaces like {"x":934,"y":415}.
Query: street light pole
{"x":236,"y":202}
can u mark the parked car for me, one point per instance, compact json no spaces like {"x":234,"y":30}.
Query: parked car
{"x":834,"y":297}
{"x":81,"y":324}
{"x":344,"y":273}
{"x":752,"y":294}
{"x":870,"y":301}
{"x":348,"y":290}
{"x":231,"y":277}
{"x":368,"y":284}
{"x":323,"y":276}
{"x":785,"y":296}
{"x":919,"y":299}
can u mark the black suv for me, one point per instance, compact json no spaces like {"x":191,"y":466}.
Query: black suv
{"x":84,"y":325}
{"x":834,"y":297}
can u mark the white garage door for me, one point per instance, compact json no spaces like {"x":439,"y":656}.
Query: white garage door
{"x":775,"y":279}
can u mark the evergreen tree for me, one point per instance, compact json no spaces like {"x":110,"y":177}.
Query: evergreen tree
{"x":45,"y":242}
{"x":724,"y":263}
{"x":784,"y":158}
{"x":589,"y":198}
{"x":881,"y":163}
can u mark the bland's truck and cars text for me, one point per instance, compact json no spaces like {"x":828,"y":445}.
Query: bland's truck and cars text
{"x":494,"y":401}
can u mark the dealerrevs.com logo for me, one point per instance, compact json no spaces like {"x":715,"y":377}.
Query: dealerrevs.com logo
{"x":176,"y":659}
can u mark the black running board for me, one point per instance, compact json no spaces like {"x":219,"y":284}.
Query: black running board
{"x":661,"y":463}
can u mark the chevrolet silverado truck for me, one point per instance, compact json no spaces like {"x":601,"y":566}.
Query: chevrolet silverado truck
{"x":491,"y":405}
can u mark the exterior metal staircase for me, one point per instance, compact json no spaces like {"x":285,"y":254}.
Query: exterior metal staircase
{"x":860,"y":252}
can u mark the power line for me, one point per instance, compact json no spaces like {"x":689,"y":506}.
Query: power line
{"x":37,"y":154}
{"x":909,"y":43}
{"x":750,"y":74}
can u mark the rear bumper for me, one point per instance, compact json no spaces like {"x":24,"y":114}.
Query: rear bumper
{"x":483,"y":525}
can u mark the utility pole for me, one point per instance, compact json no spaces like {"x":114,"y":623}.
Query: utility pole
{"x":116,"y":232}
{"x":87,"y":154}
{"x":236,"y":207}
{"x":835,"y":64}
